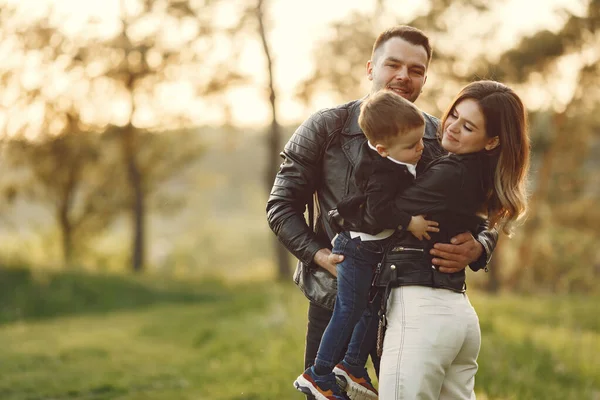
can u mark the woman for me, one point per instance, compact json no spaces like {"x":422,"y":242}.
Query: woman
{"x":432,"y":338}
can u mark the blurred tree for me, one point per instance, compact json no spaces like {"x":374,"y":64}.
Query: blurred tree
{"x":166,"y":159}
{"x":274,"y":136}
{"x":344,"y":72}
{"x":45,"y":136}
{"x":144,"y":70}
{"x":76,"y":177}
{"x":561,"y":150}
{"x":158,"y":42}
{"x":9,"y":184}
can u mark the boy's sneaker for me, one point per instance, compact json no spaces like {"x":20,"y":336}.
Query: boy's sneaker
{"x":321,"y":387}
{"x":358,"y":383}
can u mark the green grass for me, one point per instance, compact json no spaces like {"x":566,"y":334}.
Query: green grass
{"x":77,"y":336}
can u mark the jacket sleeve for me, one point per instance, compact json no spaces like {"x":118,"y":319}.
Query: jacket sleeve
{"x":488,"y":239}
{"x":294,"y":186}
{"x":432,"y":191}
{"x":380,"y":201}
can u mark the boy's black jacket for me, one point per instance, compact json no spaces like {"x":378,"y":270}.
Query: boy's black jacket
{"x":379,"y":180}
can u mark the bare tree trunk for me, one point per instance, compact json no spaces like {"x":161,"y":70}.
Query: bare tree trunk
{"x":66,"y":236}
{"x":273,"y":143}
{"x":494,"y":282}
{"x":134,"y":176}
{"x":64,"y":210}
{"x":138,"y":212}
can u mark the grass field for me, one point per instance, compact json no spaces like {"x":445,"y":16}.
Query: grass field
{"x":76,"y":336}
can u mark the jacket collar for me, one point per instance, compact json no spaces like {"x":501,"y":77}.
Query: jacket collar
{"x":412,"y":168}
{"x":431,"y":126}
{"x":468,"y":156}
{"x":351,"y":126}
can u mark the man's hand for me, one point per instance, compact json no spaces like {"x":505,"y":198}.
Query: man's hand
{"x":455,"y":257}
{"x":324,"y":258}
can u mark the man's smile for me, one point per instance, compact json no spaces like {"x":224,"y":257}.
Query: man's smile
{"x":399,"y":90}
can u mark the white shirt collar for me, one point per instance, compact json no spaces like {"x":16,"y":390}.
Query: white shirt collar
{"x":411,"y":167}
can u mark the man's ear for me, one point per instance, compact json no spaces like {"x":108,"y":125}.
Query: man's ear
{"x":370,"y":70}
{"x":492,"y":143}
{"x":382,"y":150}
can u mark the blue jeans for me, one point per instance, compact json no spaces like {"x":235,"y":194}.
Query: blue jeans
{"x":354,"y":276}
{"x":364,"y":336}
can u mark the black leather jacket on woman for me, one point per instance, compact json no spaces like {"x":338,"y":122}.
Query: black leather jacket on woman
{"x":452,"y":191}
{"x":319,"y":159}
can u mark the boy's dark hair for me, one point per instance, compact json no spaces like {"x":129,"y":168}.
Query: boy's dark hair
{"x":410,"y":34}
{"x":384,"y":115}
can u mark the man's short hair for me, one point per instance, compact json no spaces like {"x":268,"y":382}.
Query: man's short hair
{"x":384,"y":115}
{"x":410,"y":34}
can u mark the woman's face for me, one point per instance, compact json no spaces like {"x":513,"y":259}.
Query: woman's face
{"x":464,"y":129}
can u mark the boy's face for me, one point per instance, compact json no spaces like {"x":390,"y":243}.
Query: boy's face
{"x":406,"y":147}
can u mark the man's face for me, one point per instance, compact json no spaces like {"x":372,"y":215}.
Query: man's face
{"x":399,"y":66}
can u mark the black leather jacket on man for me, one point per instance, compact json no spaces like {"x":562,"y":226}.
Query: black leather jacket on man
{"x":319,"y":159}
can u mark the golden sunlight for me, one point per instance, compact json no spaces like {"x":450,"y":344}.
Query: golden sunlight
{"x":296,"y":29}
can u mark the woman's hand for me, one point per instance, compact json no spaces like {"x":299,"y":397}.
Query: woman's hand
{"x":324,"y":258}
{"x":453,"y":257}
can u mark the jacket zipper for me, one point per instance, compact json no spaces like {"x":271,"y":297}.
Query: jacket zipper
{"x":402,"y":248}
{"x":397,"y":248}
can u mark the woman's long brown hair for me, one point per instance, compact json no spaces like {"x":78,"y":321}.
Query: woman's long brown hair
{"x":505,"y":117}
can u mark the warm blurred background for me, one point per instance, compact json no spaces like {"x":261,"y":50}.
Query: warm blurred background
{"x":139,"y":140}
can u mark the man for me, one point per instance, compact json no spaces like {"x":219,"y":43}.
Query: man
{"x":320,"y":158}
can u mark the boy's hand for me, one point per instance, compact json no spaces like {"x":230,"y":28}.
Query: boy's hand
{"x":419,"y":227}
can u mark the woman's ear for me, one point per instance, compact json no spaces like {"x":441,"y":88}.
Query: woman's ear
{"x":492,"y":143}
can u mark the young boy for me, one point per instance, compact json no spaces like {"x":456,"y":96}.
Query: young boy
{"x":386,"y":165}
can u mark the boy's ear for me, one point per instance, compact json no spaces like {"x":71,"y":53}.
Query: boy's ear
{"x":492,"y":143}
{"x":381,"y":149}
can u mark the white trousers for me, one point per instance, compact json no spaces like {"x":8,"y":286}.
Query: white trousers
{"x":430,"y":347}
